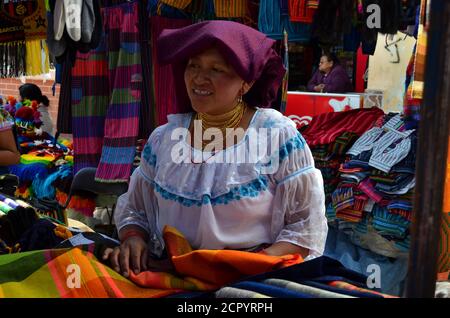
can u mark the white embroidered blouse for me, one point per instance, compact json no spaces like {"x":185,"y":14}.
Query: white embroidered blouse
{"x":233,"y":199}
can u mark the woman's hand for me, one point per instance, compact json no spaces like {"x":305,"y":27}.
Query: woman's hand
{"x":319,"y":88}
{"x":132,"y":253}
{"x":285,"y":248}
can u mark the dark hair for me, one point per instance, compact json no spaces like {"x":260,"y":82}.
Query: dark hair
{"x":33,"y":92}
{"x":331,"y":57}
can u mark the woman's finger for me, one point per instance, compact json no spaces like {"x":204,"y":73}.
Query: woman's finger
{"x":124,"y":260}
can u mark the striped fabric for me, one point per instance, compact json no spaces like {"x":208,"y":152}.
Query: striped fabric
{"x":342,"y":198}
{"x":347,"y":286}
{"x":163,"y":77}
{"x":302,"y":10}
{"x":419,"y":66}
{"x":315,"y":292}
{"x":389,"y":224}
{"x":89,"y":106}
{"x":444,"y":246}
{"x":367,"y":187}
{"x":325,"y":128}
{"x":125,"y":85}
{"x":230,"y":8}
{"x":106,"y":87}
{"x":179,"y":4}
{"x":272,"y":23}
{"x":46,"y":274}
{"x":312,"y":4}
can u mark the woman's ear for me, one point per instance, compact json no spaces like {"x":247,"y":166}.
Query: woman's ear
{"x":246,"y":87}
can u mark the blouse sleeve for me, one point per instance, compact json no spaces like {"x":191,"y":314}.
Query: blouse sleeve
{"x":6,"y":121}
{"x":299,"y":203}
{"x":138,"y":205}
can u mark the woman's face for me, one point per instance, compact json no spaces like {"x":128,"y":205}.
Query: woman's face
{"x":325,"y":65}
{"x":212,"y":84}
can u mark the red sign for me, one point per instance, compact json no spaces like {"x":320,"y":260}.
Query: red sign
{"x":302,"y":106}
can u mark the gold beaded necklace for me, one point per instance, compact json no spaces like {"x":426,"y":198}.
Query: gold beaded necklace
{"x":229,"y":119}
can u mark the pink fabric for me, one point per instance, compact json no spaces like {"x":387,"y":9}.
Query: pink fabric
{"x":164,"y":82}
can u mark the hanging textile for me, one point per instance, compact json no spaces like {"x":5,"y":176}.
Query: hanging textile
{"x":419,"y":64}
{"x":12,"y":39}
{"x":106,"y":93}
{"x":272,"y":23}
{"x":444,"y":246}
{"x":179,"y":4}
{"x":163,"y":77}
{"x":147,"y":121}
{"x":302,"y":10}
{"x":23,"y":28}
{"x":230,"y":8}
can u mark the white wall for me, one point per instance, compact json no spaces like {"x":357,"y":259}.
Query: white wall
{"x":387,"y":71}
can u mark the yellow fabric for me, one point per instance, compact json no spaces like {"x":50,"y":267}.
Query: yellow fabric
{"x":179,"y":4}
{"x":37,"y":57}
{"x":230,"y":8}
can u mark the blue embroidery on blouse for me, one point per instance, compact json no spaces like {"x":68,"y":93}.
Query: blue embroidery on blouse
{"x":148,"y":155}
{"x":295,"y":143}
{"x":251,"y":189}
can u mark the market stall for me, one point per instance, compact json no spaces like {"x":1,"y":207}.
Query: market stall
{"x":113,"y":95}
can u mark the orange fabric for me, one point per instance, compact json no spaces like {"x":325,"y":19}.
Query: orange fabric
{"x":209,"y":269}
{"x":447,"y":183}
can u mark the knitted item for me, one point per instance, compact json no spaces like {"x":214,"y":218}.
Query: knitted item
{"x":87,"y":21}
{"x":59,"y":22}
{"x":56,"y":48}
{"x":72,"y":15}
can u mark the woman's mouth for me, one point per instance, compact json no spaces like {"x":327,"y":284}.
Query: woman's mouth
{"x":201,"y":92}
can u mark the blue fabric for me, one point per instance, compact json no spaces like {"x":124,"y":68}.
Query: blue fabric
{"x":315,"y":268}
{"x":270,"y":290}
{"x":272,"y":23}
{"x":393,"y":271}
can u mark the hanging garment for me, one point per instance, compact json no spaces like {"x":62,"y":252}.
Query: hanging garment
{"x":12,"y":41}
{"x":147,"y":121}
{"x":332,"y":19}
{"x":272,"y":23}
{"x":421,"y":49}
{"x":164,"y":86}
{"x":64,"y":120}
{"x":35,"y":29}
{"x":230,"y":8}
{"x":106,"y":89}
{"x":302,"y":10}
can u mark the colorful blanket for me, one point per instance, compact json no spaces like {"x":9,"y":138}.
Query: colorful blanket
{"x":76,"y":272}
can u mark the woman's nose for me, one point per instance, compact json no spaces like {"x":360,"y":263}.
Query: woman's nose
{"x":201,"y":76}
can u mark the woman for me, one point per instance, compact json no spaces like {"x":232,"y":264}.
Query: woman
{"x":9,"y":155}
{"x":33,"y":92}
{"x":224,"y":72}
{"x":330,"y":77}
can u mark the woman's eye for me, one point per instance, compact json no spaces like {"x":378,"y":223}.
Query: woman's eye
{"x":217,"y":70}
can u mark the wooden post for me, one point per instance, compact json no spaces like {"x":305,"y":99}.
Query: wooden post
{"x":431,"y":156}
